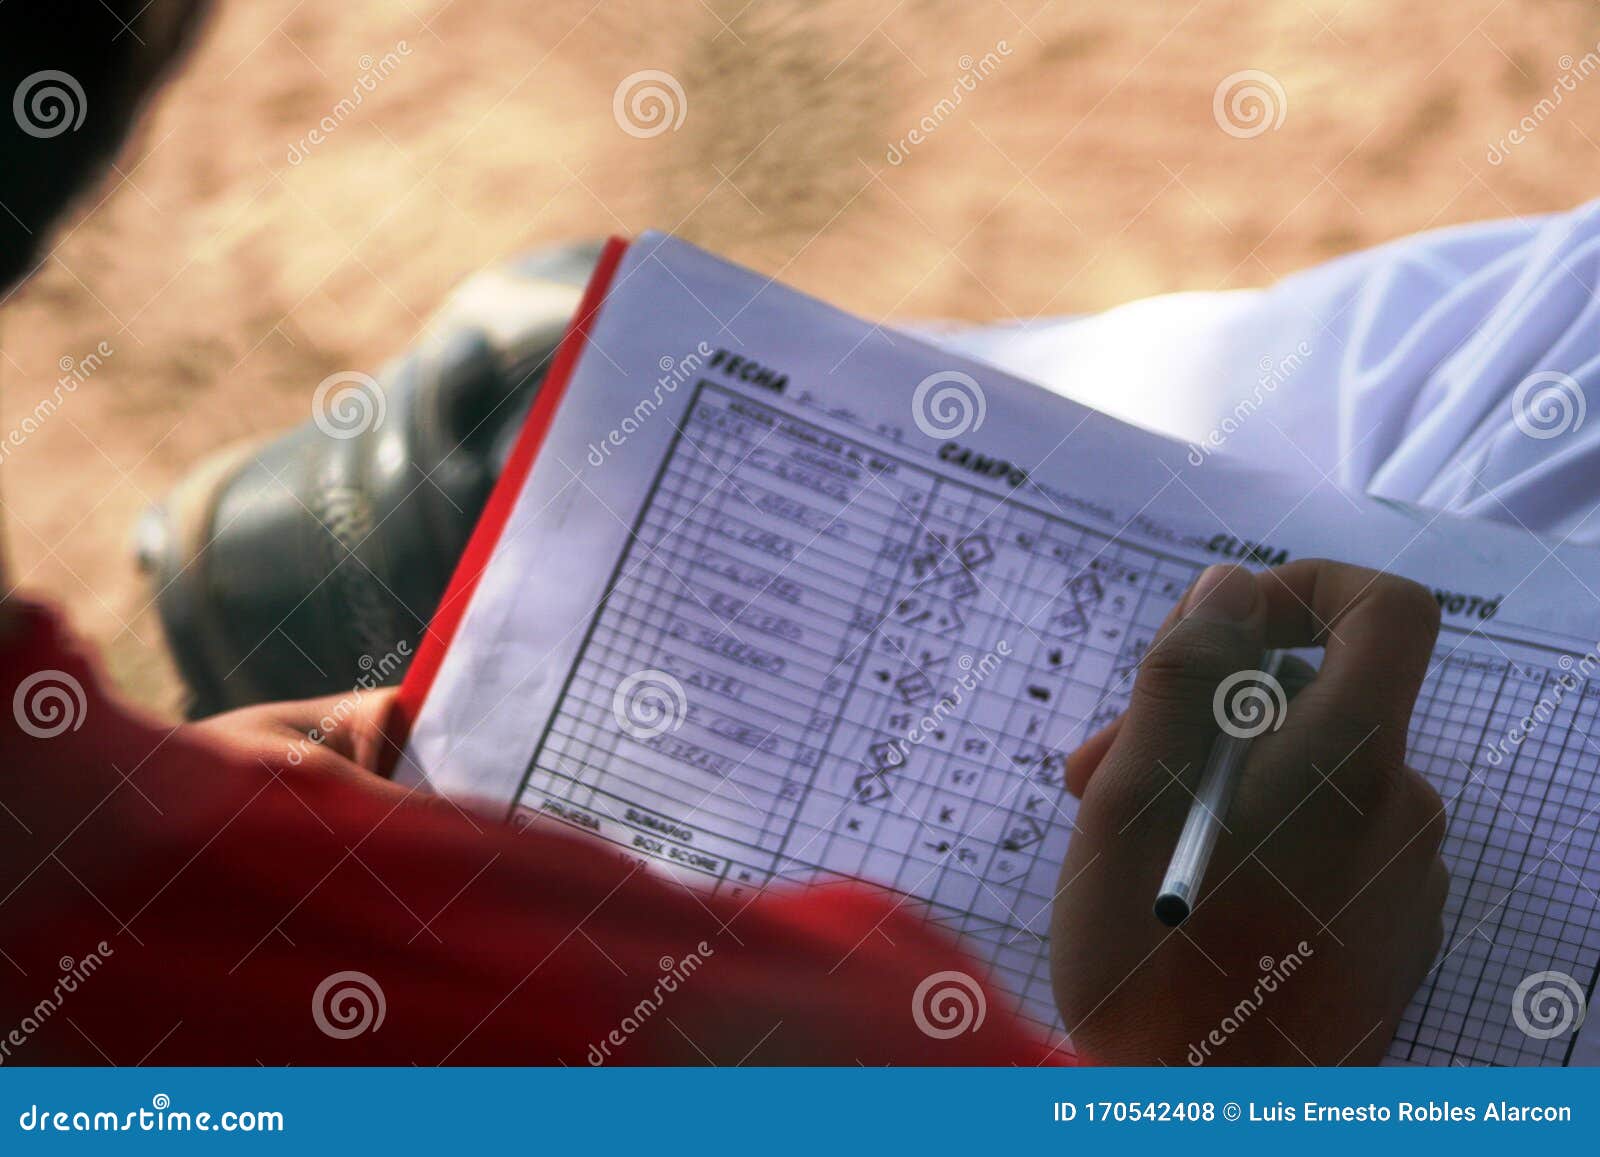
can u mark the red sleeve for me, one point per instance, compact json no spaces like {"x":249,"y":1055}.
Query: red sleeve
{"x":163,"y":901}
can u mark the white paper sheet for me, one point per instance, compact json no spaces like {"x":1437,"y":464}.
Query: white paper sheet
{"x":879,"y":592}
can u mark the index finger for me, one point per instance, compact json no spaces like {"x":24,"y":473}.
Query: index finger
{"x":1377,"y":631}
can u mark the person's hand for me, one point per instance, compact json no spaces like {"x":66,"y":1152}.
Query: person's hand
{"x":1320,"y":912}
{"x":340,"y":735}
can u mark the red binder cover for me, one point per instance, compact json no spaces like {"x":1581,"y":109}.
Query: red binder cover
{"x":474,"y":561}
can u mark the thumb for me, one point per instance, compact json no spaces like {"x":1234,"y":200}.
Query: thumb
{"x":1217,"y":630}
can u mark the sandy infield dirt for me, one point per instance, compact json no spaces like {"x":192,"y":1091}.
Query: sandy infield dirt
{"x":231,"y":264}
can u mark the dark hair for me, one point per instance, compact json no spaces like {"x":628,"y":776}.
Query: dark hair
{"x":73,"y":77}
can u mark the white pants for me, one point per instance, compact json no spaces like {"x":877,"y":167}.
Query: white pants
{"x":1454,"y":369}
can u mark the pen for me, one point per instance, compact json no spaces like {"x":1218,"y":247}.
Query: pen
{"x":1187,"y":868}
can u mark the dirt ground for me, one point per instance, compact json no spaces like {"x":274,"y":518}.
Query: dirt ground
{"x":1084,"y":167}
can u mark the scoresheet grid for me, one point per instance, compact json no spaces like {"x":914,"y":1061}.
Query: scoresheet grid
{"x":820,"y":599}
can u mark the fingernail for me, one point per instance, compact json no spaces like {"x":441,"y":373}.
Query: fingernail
{"x":1222,"y":593}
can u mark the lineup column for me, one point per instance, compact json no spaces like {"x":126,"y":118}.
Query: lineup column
{"x":739,"y":605}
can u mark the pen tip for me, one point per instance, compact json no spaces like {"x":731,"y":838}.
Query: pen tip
{"x":1171,"y":910}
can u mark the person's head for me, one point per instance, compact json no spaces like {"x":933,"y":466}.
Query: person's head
{"x":76,"y":74}
{"x":73,"y":75}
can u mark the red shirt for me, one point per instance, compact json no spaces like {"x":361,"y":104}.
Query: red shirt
{"x":168,"y":900}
